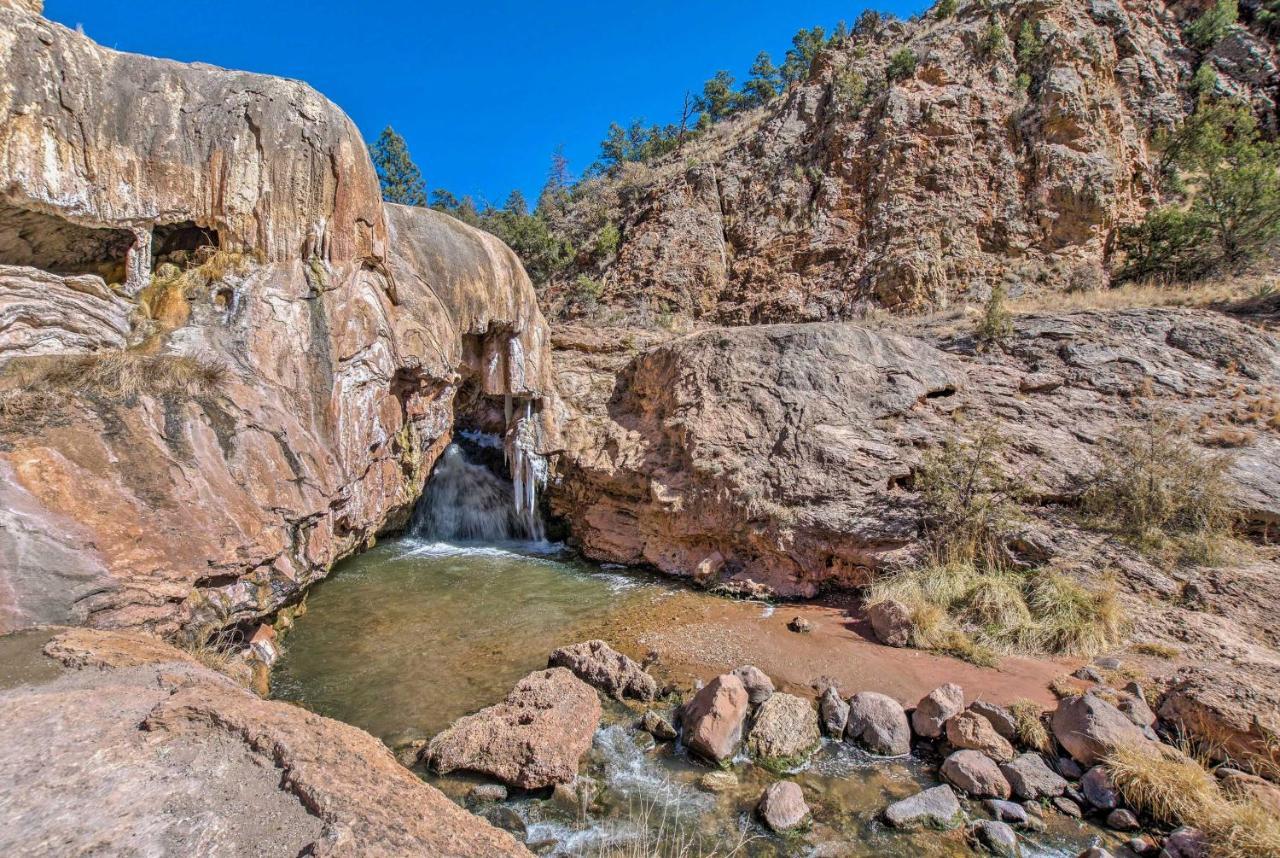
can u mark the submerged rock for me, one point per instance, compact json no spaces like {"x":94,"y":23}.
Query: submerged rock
{"x":713,"y":720}
{"x":996,"y":838}
{"x":597,"y":663}
{"x":782,"y":807}
{"x":718,"y":782}
{"x":532,"y":739}
{"x":785,"y":731}
{"x":879,"y":724}
{"x":932,"y":808}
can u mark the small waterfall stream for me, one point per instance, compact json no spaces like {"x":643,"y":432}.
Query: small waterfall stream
{"x":466,"y":501}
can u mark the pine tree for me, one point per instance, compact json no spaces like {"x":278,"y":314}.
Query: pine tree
{"x":555,"y":193}
{"x":400,"y":178}
{"x":764,"y":81}
{"x":805,"y":46}
{"x":718,"y":99}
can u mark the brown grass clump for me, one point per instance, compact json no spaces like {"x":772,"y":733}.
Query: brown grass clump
{"x":32,"y":387}
{"x":214,"y":647}
{"x":1163,"y":492}
{"x":1062,"y":687}
{"x":1158,"y":650}
{"x":1201,"y":293}
{"x":1029,"y":724}
{"x":1175,"y":789}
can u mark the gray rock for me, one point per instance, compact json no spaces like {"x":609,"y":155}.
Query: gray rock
{"x":785,"y":730}
{"x":999,"y":718}
{"x":759,"y":686}
{"x":975,"y":774}
{"x":936,"y":708}
{"x":1088,"y":674}
{"x":1098,"y":789}
{"x":1068,"y":807}
{"x":1069,"y":769}
{"x":932,"y":808}
{"x":1122,"y":819}
{"x":1090,"y":728}
{"x":891,"y":622}
{"x":1006,"y":811}
{"x":782,"y":806}
{"x":658,"y":725}
{"x":996,"y":838}
{"x":1186,"y":842}
{"x":501,"y":816}
{"x":488,"y":792}
{"x":600,"y":665}
{"x":1031,"y":779}
{"x":833,"y":712}
{"x":1134,"y":705}
{"x":879,"y":724}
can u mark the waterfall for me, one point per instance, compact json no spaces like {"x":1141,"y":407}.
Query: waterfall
{"x":468,"y":502}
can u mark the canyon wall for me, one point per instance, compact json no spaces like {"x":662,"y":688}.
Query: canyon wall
{"x":224,"y":364}
{"x":989,"y":163}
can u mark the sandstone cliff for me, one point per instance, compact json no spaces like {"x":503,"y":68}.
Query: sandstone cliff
{"x":224,"y":365}
{"x":988,"y":164}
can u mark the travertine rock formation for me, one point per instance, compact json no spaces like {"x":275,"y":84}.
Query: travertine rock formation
{"x":852,"y":188}
{"x":142,"y":751}
{"x":241,"y":228}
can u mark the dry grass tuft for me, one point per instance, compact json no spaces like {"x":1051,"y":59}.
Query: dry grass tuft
{"x":1063,"y":687}
{"x":214,"y":647}
{"x":1158,"y":650}
{"x":1177,"y":790}
{"x":30,"y":387}
{"x":1202,"y":293}
{"x":1027,"y":719}
{"x":663,"y":831}
{"x":1167,"y":495}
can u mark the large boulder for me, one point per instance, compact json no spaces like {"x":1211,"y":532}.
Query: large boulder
{"x":975,"y":774}
{"x":534,"y":738}
{"x":1235,"y":712}
{"x":1031,"y":778}
{"x":974,"y":732}
{"x":713,"y":720}
{"x":878,"y":723}
{"x":936,"y":708}
{"x":599,"y":664}
{"x":785,"y":730}
{"x":1090,"y":728}
{"x":782,"y":806}
{"x":932,"y":808}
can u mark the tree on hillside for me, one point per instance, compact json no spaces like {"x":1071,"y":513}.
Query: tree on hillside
{"x":764,"y":82}
{"x":555,"y":193}
{"x":718,"y":100}
{"x":400,"y":178}
{"x":805,"y":46}
{"x":1226,"y":177}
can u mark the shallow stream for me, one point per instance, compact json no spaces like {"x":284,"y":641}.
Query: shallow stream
{"x":407,"y":637}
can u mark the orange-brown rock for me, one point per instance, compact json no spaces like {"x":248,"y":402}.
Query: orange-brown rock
{"x":185,"y":761}
{"x":713,"y":720}
{"x":298,"y":380}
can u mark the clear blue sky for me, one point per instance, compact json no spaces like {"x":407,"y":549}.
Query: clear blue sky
{"x":482,"y":91}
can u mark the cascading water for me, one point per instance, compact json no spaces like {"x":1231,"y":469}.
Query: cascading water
{"x":465,"y":501}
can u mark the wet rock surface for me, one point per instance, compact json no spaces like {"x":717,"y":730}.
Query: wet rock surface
{"x":936,"y":807}
{"x":784,"y":730}
{"x":782,"y":807}
{"x":712,"y":722}
{"x":533,"y":739}
{"x":878,"y":723}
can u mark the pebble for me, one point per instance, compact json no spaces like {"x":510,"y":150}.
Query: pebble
{"x":800,"y":625}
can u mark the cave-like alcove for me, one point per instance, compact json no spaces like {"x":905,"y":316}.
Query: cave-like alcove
{"x":51,"y":243}
{"x":177,"y":242}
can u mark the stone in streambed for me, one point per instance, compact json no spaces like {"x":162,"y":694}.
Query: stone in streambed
{"x":996,"y":838}
{"x":975,"y":774}
{"x":936,"y":708}
{"x":833,"y":712}
{"x":717,"y":782}
{"x":758,"y":684}
{"x":597,"y":663}
{"x":532,"y":739}
{"x":932,"y":808}
{"x":488,"y":793}
{"x":999,"y":718}
{"x":658,"y":726}
{"x":971,"y":731}
{"x":714,"y":718}
{"x":1098,"y":789}
{"x":879,"y":724}
{"x":1031,"y":778}
{"x":1122,"y":819}
{"x":1006,"y":811}
{"x":785,"y":731}
{"x":782,"y":807}
{"x":1090,"y":728}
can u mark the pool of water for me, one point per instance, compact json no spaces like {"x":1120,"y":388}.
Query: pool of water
{"x":404,"y":639}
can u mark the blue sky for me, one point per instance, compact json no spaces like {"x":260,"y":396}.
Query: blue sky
{"x":482,"y":91}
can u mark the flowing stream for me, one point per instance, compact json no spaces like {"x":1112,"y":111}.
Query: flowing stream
{"x":407,"y":637}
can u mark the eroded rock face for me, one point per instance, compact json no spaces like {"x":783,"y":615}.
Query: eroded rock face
{"x":1237,"y":711}
{"x":342,"y":331}
{"x":187,"y":760}
{"x":533,"y":739}
{"x":847,"y":189}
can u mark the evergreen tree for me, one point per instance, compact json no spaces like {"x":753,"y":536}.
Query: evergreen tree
{"x":555,"y":193}
{"x":400,"y":178}
{"x":804,"y":49}
{"x":764,"y":82}
{"x":718,"y":100}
